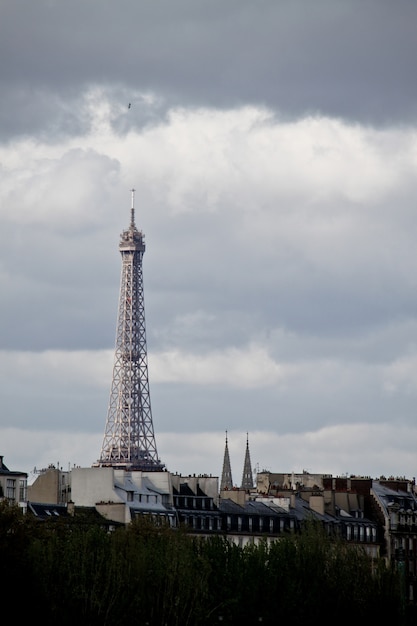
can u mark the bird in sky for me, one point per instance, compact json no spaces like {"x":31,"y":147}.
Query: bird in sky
{"x":129,"y":105}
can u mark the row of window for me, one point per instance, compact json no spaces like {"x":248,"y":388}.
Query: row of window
{"x":16,"y":489}
{"x":260,"y":524}
{"x":192,"y":502}
{"x":360,"y":532}
{"x":269,"y":525}
{"x":201,"y":522}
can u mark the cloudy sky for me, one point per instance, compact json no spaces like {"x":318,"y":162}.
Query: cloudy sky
{"x":273,"y":149}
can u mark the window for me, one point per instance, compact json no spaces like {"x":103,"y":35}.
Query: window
{"x":22,"y":490}
{"x":11,"y":489}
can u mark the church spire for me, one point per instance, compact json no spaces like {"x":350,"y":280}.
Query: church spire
{"x":226,"y":481}
{"x":247,"y":480}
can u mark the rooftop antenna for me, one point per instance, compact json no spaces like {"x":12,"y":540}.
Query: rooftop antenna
{"x":132,"y":210}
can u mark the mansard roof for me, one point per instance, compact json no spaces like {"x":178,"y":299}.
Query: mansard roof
{"x":252,"y":508}
{"x":388,"y":496}
{"x":4,"y":470}
{"x":47,"y":511}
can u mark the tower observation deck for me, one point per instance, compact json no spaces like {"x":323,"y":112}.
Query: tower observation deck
{"x":129,"y":439}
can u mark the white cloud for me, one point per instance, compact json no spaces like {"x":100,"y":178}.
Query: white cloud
{"x":27,"y":449}
{"x":298,"y":196}
{"x":360,"y":449}
{"x":282,"y":263}
{"x":55,"y":368}
{"x":58,"y":191}
{"x":248,"y":367}
{"x":197,"y":158}
{"x":401,"y":375}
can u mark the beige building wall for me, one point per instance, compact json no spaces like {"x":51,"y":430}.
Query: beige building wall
{"x":114,"y":512}
{"x":268,"y":481}
{"x":92,"y":485}
{"x":316,"y":503}
{"x":239,"y":496}
{"x":52,"y":486}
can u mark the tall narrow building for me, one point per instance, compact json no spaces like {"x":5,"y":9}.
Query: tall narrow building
{"x":247,"y":477}
{"x":129,"y":439}
{"x":226,"y":480}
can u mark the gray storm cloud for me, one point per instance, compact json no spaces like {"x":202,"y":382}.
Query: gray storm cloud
{"x":273,"y":153}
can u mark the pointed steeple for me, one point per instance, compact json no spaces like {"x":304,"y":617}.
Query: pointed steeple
{"x":247,"y":479}
{"x":226,"y":481}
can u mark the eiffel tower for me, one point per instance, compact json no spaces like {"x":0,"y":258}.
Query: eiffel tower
{"x":129,"y":439}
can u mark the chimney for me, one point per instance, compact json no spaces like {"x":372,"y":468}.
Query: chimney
{"x":316,"y":503}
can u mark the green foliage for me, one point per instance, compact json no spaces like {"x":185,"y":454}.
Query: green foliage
{"x":73,"y":572}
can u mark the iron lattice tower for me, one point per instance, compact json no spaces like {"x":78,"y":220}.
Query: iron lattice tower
{"x":226,"y":481}
{"x":247,"y":478}
{"x":129,"y":439}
